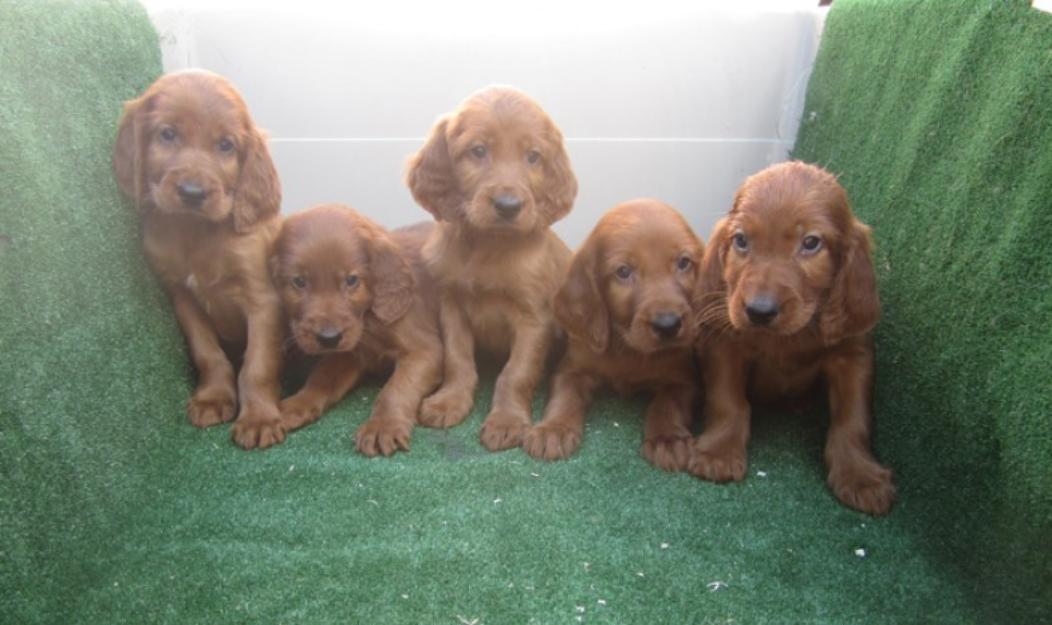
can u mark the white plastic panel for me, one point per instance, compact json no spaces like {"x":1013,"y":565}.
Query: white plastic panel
{"x":678,"y":101}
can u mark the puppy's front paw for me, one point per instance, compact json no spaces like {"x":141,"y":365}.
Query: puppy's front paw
{"x":551,"y":441}
{"x":444,"y":409}
{"x":383,"y":436}
{"x":503,"y":430}
{"x":258,"y":429}
{"x":864,"y":485}
{"x":668,"y":453}
{"x":211,"y":405}
{"x":720,"y":464}
{"x":298,"y":411}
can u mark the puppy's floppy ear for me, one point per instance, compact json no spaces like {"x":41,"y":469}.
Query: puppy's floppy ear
{"x":560,"y":183}
{"x":431,"y":178}
{"x":710,"y":277}
{"x":579,"y":306}
{"x":390,"y":276}
{"x":128,"y":150}
{"x":852,"y":306}
{"x":258,"y":193}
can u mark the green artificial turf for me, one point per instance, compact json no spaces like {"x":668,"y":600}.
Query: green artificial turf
{"x":938,"y":118}
{"x":113,"y":509}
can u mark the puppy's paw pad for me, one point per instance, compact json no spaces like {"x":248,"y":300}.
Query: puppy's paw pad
{"x":296,"y":413}
{"x":547,"y":441}
{"x":503,"y":430}
{"x":211,"y":406}
{"x":444,"y":410}
{"x":724,"y":466}
{"x":257,"y":432}
{"x":870,"y":490}
{"x":383,"y":437}
{"x":668,"y":453}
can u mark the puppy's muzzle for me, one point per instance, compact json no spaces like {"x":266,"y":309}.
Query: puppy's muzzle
{"x":761,"y":310}
{"x":507,"y":206}
{"x":666,"y":325}
{"x":329,"y":337}
{"x":191,"y":193}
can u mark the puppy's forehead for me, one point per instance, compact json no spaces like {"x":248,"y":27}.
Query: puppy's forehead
{"x":792,"y":197}
{"x":322,"y":241}
{"x":646,"y":226}
{"x":499,"y":112}
{"x":199,"y":100}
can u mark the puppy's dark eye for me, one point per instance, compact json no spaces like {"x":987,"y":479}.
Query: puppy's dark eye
{"x":810,"y":244}
{"x":684,"y":263}
{"x":351,"y":281}
{"x":299,"y":282}
{"x":741,"y":243}
{"x":532,"y":157}
{"x":167,"y":134}
{"x":624,"y":272}
{"x":225,"y":145}
{"x":479,"y":151}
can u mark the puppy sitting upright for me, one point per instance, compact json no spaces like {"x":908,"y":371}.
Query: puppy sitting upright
{"x":788,"y":299}
{"x":626,"y":307}
{"x":189,"y":155}
{"x":360,"y":297}
{"x":495,"y":175}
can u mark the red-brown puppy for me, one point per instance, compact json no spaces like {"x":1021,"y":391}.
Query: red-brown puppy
{"x":495,"y":175}
{"x":361,"y":297}
{"x":788,"y":299}
{"x":626,"y":305}
{"x":190,"y":156}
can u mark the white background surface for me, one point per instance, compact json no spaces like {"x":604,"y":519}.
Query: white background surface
{"x":674,"y":100}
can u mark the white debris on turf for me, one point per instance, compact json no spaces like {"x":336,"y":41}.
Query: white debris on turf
{"x":717,"y":585}
{"x":601,"y":601}
{"x":761,"y":473}
{"x":497,"y":500}
{"x":664,"y":545}
{"x":860,"y":552}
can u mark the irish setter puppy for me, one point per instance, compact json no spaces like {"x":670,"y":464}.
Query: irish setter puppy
{"x":495,"y":175}
{"x":189,"y":155}
{"x":626,"y":306}
{"x":788,"y":299}
{"x":360,"y":297}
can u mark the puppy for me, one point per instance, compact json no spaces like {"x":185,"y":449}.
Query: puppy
{"x":360,"y":297}
{"x":189,"y":155}
{"x":788,"y":298}
{"x":626,"y":306}
{"x":495,"y":175}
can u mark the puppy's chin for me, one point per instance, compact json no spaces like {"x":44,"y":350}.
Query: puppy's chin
{"x":793,"y":318}
{"x":641,"y":338}
{"x":482,"y":217}
{"x":307,"y":340}
{"x":215,"y":208}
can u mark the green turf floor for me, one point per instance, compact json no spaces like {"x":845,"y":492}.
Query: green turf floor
{"x":114,"y":510}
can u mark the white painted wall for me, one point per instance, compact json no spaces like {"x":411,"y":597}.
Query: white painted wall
{"x":674,"y":100}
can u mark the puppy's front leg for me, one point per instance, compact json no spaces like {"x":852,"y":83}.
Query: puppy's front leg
{"x":511,"y":414}
{"x":452,"y":402}
{"x":215,"y":397}
{"x":855,"y":476}
{"x":559,"y":434}
{"x":259,"y":422}
{"x":719,"y":453}
{"x":330,"y":380}
{"x":394,"y":413}
{"x":666,"y":434}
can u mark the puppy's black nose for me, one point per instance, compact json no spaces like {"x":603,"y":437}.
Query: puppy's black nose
{"x":329,"y":337}
{"x":191,"y":193}
{"x":507,"y":206}
{"x":666,"y":325}
{"x":761,"y":310}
